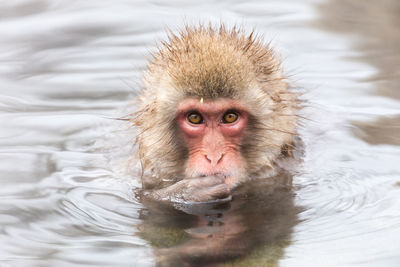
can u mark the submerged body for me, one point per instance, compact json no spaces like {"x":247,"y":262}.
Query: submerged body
{"x":216,"y":110}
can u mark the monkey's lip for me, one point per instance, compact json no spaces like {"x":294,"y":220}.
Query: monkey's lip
{"x":219,"y":174}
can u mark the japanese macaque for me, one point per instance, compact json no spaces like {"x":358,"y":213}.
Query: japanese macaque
{"x":216,"y":111}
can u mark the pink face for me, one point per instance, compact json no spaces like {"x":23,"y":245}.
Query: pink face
{"x":213,"y":131}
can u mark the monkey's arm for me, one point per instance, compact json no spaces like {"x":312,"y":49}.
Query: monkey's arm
{"x":201,"y":189}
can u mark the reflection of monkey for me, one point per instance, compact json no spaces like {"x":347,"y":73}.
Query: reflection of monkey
{"x":251,"y":230}
{"x":216,"y":110}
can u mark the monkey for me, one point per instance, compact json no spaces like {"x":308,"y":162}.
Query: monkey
{"x":216,"y":111}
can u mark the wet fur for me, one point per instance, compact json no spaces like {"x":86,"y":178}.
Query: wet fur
{"x":210,"y":63}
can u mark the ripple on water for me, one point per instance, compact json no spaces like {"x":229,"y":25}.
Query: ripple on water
{"x":65,"y":198}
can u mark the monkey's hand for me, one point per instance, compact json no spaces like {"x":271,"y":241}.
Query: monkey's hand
{"x":201,"y":189}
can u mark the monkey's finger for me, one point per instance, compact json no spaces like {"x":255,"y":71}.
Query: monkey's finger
{"x":206,"y":181}
{"x":219,"y":191}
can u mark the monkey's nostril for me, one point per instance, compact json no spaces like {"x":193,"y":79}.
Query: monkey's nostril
{"x":214,"y":159}
{"x":220,"y":158}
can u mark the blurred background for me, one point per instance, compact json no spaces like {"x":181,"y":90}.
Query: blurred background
{"x":68,"y":69}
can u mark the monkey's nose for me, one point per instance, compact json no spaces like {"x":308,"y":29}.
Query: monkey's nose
{"x":214,"y":159}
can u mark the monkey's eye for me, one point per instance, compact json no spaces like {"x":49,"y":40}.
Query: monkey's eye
{"x":194,"y":118}
{"x":230,"y":117}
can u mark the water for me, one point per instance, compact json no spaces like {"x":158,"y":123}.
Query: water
{"x":69,"y":68}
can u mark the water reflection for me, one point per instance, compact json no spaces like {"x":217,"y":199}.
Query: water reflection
{"x":251,"y":230}
{"x":67,"y":201}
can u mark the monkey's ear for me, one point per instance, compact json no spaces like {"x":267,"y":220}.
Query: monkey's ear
{"x":287,"y":150}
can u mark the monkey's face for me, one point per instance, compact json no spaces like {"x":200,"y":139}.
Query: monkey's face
{"x":213,"y":131}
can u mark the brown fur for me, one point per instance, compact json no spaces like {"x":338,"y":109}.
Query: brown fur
{"x":205,"y":62}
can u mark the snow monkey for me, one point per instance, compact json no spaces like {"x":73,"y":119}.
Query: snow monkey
{"x":216,"y":110}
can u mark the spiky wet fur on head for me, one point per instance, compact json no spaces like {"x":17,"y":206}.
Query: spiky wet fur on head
{"x":210,"y":63}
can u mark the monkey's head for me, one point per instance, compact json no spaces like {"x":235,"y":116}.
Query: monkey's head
{"x":215,"y":103}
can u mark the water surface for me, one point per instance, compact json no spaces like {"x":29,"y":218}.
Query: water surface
{"x":69,"y":68}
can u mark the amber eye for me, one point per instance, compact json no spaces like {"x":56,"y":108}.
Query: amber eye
{"x":230,"y":117}
{"x":194,"y":118}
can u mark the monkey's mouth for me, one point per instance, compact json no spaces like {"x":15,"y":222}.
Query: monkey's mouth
{"x":218,"y":174}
